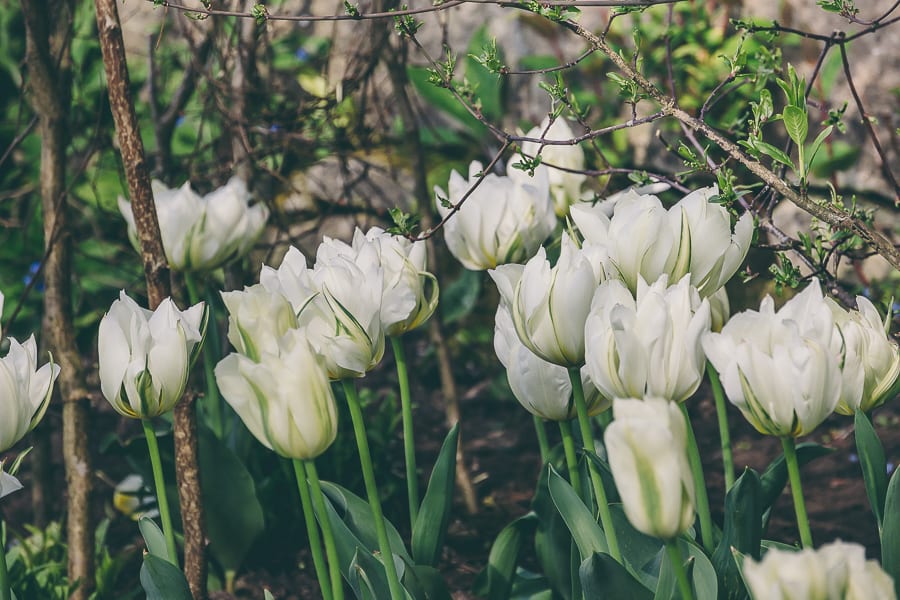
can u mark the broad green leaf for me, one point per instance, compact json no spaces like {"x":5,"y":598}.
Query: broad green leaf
{"x":434,"y":513}
{"x":422,"y":581}
{"x":496,"y":580}
{"x":602,"y":577}
{"x":641,"y":552}
{"x":353,"y":556}
{"x":775,"y":476}
{"x":873,"y":464}
{"x":742,"y":532}
{"x":702,"y":574}
{"x":357,"y":516}
{"x":444,"y":100}
{"x":552,"y":541}
{"x":775,"y":153}
{"x":587,"y":534}
{"x":817,"y":144}
{"x":162,"y":580}
{"x":154,"y":538}
{"x":365,"y":587}
{"x":890,"y":533}
{"x":666,"y":585}
{"x":234,"y":515}
{"x":796,"y":121}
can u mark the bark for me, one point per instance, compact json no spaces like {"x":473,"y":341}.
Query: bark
{"x":157,"y":273}
{"x":48,"y":30}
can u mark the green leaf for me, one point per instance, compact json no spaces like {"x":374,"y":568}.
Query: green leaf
{"x":434,"y":513}
{"x":703,"y":575}
{"x":587,"y":534}
{"x":488,"y":86}
{"x":775,"y":476}
{"x":552,"y":541}
{"x":444,"y":100}
{"x":349,"y":550}
{"x":817,"y":144}
{"x":153,"y":538}
{"x":742,"y":532}
{"x":422,"y":581}
{"x":162,"y":580}
{"x":234,"y":515}
{"x":873,"y":464}
{"x":602,"y":577}
{"x":496,"y":580}
{"x":356,"y":515}
{"x":890,"y":533}
{"x":773,"y":152}
{"x":796,"y":121}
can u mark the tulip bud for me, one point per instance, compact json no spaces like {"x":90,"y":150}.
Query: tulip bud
{"x":25,"y":392}
{"x":285,"y":399}
{"x":647,"y":448}
{"x":257,"y":318}
{"x":504,"y":220}
{"x":202,"y":234}
{"x":649,"y":346}
{"x":565,"y":186}
{"x":145,"y":356}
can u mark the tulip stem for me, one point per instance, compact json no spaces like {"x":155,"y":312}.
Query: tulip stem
{"x":312,"y":531}
{"x":318,"y":498}
{"x":211,"y":401}
{"x":409,"y":445}
{"x":793,"y":467}
{"x":365,"y":459}
{"x":541,"y":432}
{"x":568,"y":440}
{"x":706,"y":530}
{"x":159,"y":483}
{"x":587,"y":439}
{"x":5,"y":589}
{"x":724,"y":434}
{"x":684,"y":586}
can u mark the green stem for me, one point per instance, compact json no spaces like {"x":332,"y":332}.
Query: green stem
{"x":541,"y":432}
{"x":793,"y":467}
{"x":318,"y":498}
{"x":724,"y":434}
{"x":160,"y":484}
{"x":5,"y":590}
{"x":587,"y":439}
{"x":706,"y":530}
{"x":211,"y":401}
{"x":409,"y":446}
{"x":565,"y":429}
{"x":315,"y":543}
{"x":684,"y":586}
{"x":365,"y":459}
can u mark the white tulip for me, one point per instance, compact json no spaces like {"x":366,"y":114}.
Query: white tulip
{"x":649,"y":346}
{"x":145,"y":356}
{"x":780,"y":368}
{"x":284,"y":399}
{"x":25,"y":391}
{"x":542,"y":388}
{"x":504,"y":220}
{"x":871,"y":360}
{"x":549,"y":305}
{"x":694,"y":236}
{"x":647,"y":448}
{"x":201,"y":234}
{"x":565,"y":186}
{"x":257,"y":318}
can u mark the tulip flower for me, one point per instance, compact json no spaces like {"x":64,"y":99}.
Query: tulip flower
{"x":565,"y":186}
{"x":203,"y":233}
{"x":257,"y":318}
{"x":25,"y":391}
{"x":871,"y":360}
{"x":504,"y":220}
{"x":145,"y":356}
{"x":647,"y":448}
{"x":779,"y":368}
{"x":649,"y":346}
{"x":644,"y":239}
{"x":284,"y":399}
{"x":549,"y":305}
{"x":836,"y":571}
{"x":543,"y":388}
{"x":338,"y":303}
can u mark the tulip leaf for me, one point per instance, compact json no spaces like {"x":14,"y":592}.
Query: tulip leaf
{"x":587,"y":534}
{"x":234,"y":515}
{"x":363,"y":587}
{"x":423,"y":581}
{"x":890,"y":533}
{"x":602,"y":577}
{"x":873,"y":464}
{"x":496,"y":580}
{"x":775,"y":476}
{"x":356,"y":516}
{"x":153,"y":538}
{"x":702,"y":574}
{"x":162,"y":580}
{"x":434,"y":513}
{"x":552,"y":541}
{"x":741,"y":533}
{"x":641,"y":552}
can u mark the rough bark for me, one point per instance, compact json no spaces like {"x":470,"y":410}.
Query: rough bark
{"x":48,"y":30}
{"x":157,"y":274}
